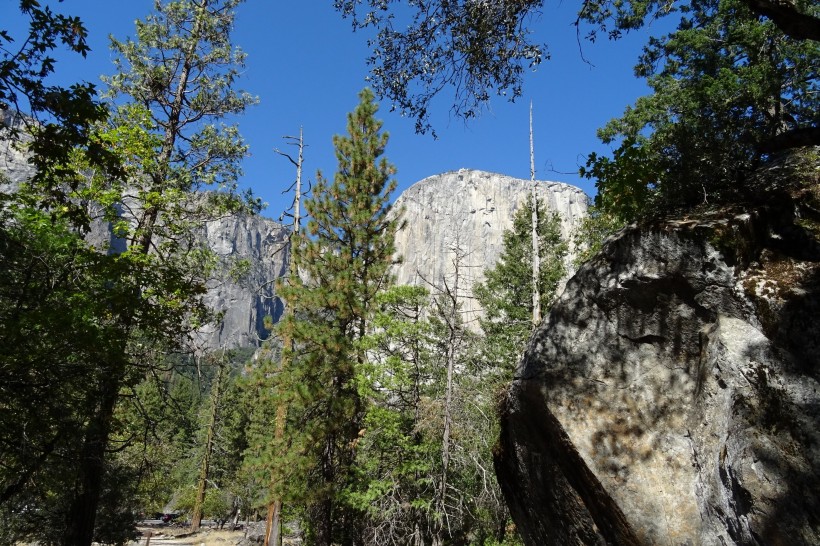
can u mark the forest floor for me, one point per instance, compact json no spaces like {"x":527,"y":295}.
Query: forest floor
{"x":182,"y":537}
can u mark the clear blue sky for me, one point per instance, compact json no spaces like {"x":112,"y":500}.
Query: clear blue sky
{"x":307,"y":66}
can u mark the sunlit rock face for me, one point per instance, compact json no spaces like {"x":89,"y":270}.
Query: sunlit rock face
{"x":458,"y":218}
{"x":671,"y":396}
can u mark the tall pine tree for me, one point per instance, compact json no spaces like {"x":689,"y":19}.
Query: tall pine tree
{"x":343,"y":259}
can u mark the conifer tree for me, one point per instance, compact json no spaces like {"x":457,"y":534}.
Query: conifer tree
{"x":399,"y":454}
{"x":343,"y":258}
{"x":506,"y":293}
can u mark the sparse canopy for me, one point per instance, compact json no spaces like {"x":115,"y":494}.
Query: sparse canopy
{"x":478,"y":48}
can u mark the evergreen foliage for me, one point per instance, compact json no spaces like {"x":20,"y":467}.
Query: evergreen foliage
{"x":506,"y":292}
{"x":343,"y":258}
{"x":730,"y":91}
{"x":397,"y":456}
{"x":423,"y":472}
{"x":163,"y":422}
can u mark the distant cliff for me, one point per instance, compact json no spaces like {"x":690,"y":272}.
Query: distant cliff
{"x":464,"y":213}
{"x":244,"y":292}
{"x":252,"y":253}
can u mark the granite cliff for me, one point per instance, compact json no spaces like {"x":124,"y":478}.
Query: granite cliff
{"x":671,"y":395}
{"x":246,"y":297}
{"x":467,"y":209}
{"x":464,"y":213}
{"x":251,"y":250}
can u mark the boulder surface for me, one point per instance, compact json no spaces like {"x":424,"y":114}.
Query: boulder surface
{"x":671,"y":395}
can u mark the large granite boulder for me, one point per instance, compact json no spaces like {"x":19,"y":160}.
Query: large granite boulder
{"x":671,"y":395}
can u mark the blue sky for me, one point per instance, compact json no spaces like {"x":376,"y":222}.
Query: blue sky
{"x":307,"y":66}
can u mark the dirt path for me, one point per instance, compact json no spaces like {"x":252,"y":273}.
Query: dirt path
{"x":205,"y":537}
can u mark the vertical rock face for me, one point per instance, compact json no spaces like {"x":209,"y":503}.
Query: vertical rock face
{"x":253,"y":252}
{"x":671,"y":396}
{"x":464,"y":213}
{"x":14,"y":166}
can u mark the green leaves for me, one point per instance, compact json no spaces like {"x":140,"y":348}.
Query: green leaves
{"x":725,"y":83}
{"x":142,"y":291}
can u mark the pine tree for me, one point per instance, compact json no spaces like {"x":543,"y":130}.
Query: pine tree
{"x":506,"y":292}
{"x":398,"y":456}
{"x":343,"y":259}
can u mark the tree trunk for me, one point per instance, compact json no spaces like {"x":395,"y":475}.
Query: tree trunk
{"x":794,"y":23}
{"x":273,"y":522}
{"x":536,"y":257}
{"x":83,"y":509}
{"x":196,"y":518}
{"x":452,"y":342}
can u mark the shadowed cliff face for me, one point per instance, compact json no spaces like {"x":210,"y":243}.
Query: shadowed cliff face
{"x":251,"y":252}
{"x":671,"y":396}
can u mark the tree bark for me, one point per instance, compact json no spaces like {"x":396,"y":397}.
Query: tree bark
{"x":793,"y":23}
{"x":83,"y":509}
{"x":536,"y":257}
{"x":796,"y":138}
{"x":273,"y":522}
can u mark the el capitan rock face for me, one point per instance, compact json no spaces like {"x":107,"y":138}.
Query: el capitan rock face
{"x":671,"y":396}
{"x":465,"y":212}
{"x":467,"y":209}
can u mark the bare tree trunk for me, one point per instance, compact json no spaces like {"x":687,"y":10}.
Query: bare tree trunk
{"x":273,"y":522}
{"x":536,"y":258}
{"x":452,"y":320}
